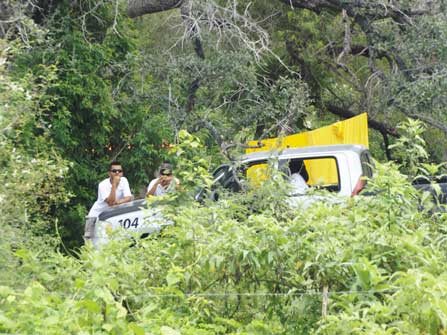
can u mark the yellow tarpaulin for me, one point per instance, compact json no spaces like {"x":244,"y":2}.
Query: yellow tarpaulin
{"x":350,"y":131}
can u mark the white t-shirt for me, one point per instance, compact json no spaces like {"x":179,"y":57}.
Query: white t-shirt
{"x":104,"y":188}
{"x":298,"y":183}
{"x":162,"y":190}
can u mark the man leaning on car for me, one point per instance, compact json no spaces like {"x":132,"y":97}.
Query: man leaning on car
{"x":113,"y":190}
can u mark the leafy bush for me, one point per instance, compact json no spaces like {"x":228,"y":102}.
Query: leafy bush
{"x":233,"y":268}
{"x":32,"y":173}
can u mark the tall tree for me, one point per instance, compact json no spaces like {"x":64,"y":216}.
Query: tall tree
{"x":384,"y":58}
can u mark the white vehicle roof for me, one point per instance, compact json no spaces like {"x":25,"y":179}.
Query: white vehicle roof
{"x":322,"y":150}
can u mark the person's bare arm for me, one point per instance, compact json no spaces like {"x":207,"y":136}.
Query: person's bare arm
{"x":123,"y":200}
{"x":154,"y":187}
{"x":111,"y":199}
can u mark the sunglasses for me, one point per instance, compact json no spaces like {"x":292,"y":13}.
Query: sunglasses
{"x":166,"y":172}
{"x":116,"y":171}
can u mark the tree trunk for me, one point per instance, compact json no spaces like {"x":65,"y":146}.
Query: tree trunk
{"x":137,"y":8}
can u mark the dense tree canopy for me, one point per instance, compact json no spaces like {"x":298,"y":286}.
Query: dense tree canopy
{"x":386,"y":59}
{"x":86,"y":82}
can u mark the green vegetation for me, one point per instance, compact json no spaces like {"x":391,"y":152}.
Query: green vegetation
{"x":82,"y":84}
{"x":233,"y":268}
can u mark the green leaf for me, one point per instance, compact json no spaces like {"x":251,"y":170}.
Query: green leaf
{"x":165,"y":330}
{"x":173,"y":278}
{"x":107,"y":326}
{"x":136,"y":329}
{"x":5,"y":322}
{"x":90,"y":305}
{"x":5,"y":291}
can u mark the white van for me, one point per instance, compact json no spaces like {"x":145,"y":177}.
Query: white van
{"x":346,"y":165}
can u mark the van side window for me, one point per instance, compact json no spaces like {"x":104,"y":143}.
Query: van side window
{"x":320,"y":172}
{"x":323,"y":173}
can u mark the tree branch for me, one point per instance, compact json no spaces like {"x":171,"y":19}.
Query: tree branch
{"x":346,"y":40}
{"x":369,"y":9}
{"x":138,"y":8}
{"x":195,"y":85}
{"x":426,"y":119}
{"x":386,"y":143}
{"x":374,"y":124}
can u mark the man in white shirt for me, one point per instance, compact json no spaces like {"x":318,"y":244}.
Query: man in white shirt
{"x":297,"y":181}
{"x":112,"y":191}
{"x":165,"y":183}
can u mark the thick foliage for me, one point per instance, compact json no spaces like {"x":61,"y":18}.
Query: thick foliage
{"x":32,"y":173}
{"x":232,"y":267}
{"x":94,"y":110}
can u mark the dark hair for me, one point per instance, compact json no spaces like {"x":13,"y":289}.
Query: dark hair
{"x":114,"y":163}
{"x":297,"y":166}
{"x":165,"y":167}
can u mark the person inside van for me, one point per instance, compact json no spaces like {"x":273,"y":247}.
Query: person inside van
{"x":298,"y":176}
